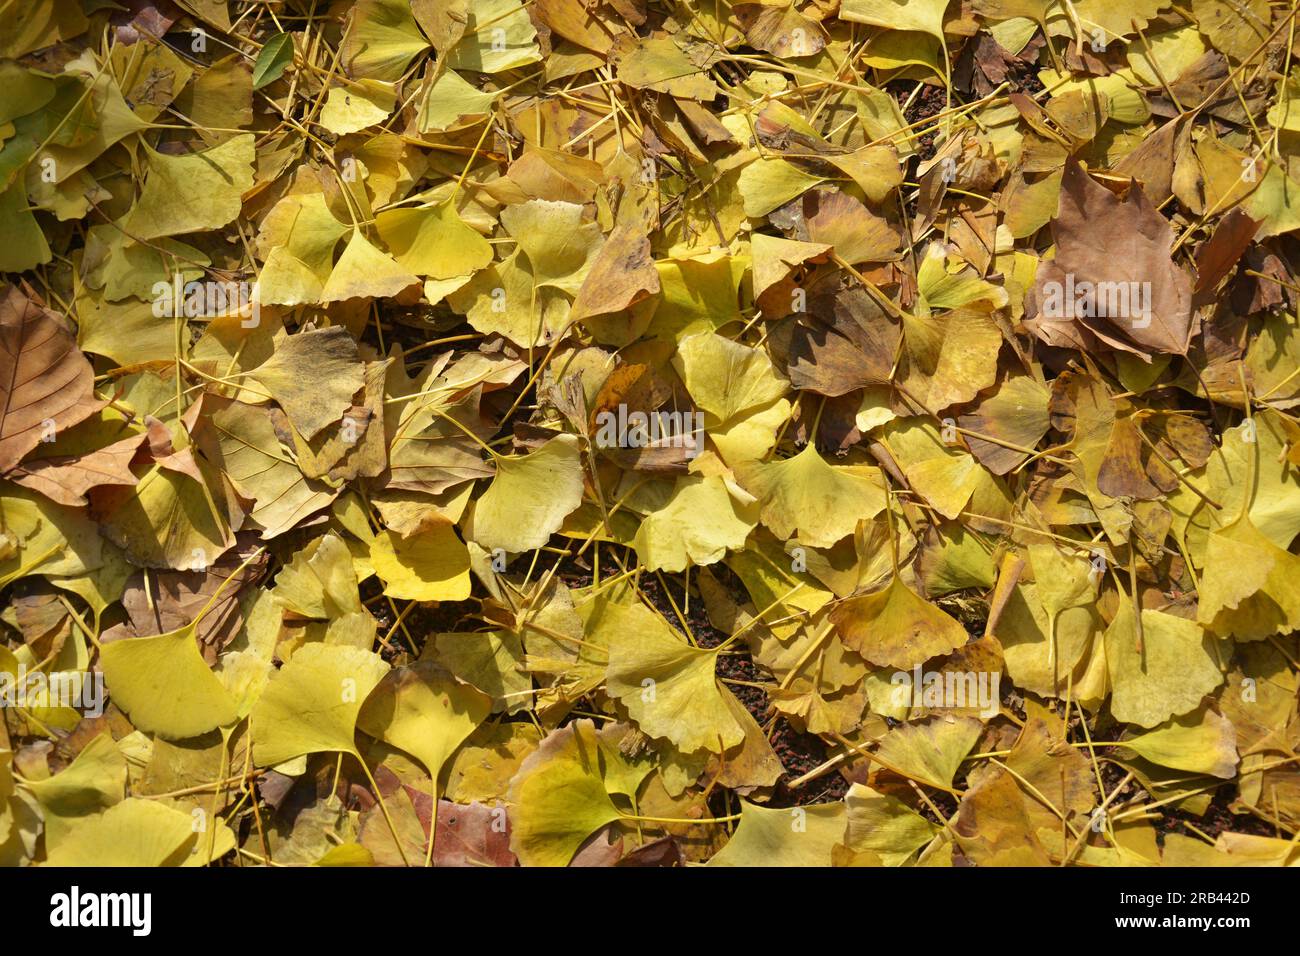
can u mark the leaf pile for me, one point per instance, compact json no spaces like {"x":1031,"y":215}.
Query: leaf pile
{"x":644,"y":432}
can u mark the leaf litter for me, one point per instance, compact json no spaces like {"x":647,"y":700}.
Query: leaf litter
{"x":485,"y":433}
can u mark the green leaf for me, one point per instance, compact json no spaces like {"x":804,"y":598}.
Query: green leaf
{"x":272,"y":60}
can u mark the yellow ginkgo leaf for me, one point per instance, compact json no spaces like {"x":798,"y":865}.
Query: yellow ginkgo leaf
{"x":355,"y":106}
{"x":430,"y":565}
{"x":297,"y":237}
{"x":313,"y":375}
{"x":320,"y":581}
{"x":884,"y":825}
{"x":1248,"y":588}
{"x":787,"y":836}
{"x":1166,"y":673}
{"x":382,"y":39}
{"x":944,"y":475}
{"x":498,"y":35}
{"x":925,"y":16}
{"x":365,"y":272}
{"x":93,"y":782}
{"x":164,"y":685}
{"x":134,"y":832}
{"x":739,"y":391}
{"x":930,"y":751}
{"x":667,"y":685}
{"x":766,"y":184}
{"x":1199,"y":742}
{"x":433,"y":242}
{"x":559,"y":246}
{"x":819,"y":502}
{"x":895,"y":627}
{"x":529,"y":497}
{"x":312,"y":702}
{"x":698,"y":524}
{"x":193,"y":191}
{"x":558,"y":797}
{"x":451,"y":102}
{"x":950,"y":357}
{"x":775,"y":260}
{"x":424,"y":711}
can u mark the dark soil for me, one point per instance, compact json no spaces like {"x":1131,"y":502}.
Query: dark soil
{"x":929,"y":102}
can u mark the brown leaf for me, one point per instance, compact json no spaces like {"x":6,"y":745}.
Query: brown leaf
{"x":845,"y":342}
{"x":164,"y":601}
{"x":1215,"y":259}
{"x":622,"y":275}
{"x":470,"y":835}
{"x":46,"y":384}
{"x":67,"y":478}
{"x":1113,"y":276}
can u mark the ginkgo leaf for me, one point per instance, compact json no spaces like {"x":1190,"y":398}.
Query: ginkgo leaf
{"x":775,"y":260}
{"x":433,"y":242}
{"x":821,"y":503}
{"x":424,"y":711}
{"x":942,"y":474}
{"x":93,"y":782}
{"x":431,"y":565}
{"x":529,"y":497}
{"x":1164,"y":674}
{"x":661,"y":64}
{"x":1272,"y":497}
{"x":884,"y":825}
{"x":895,"y":627}
{"x":1248,"y":586}
{"x":794,"y":836}
{"x":313,"y":375}
{"x":262,"y":471}
{"x":1199,"y":742}
{"x":621,"y":276}
{"x":451,"y":101}
{"x":312,"y":702}
{"x":170,"y":519}
{"x":135,"y":832}
{"x":196,"y":191}
{"x":558,"y":798}
{"x":930,"y":751}
{"x":739,"y":391}
{"x":926,"y":17}
{"x":951,"y":357}
{"x":667,"y":686}
{"x":164,"y":685}
{"x":365,"y":272}
{"x":698,"y":524}
{"x":766,"y":184}
{"x":298,"y":237}
{"x":558,"y":245}
{"x":381,"y":40}
{"x":357,"y":105}
{"x":1012,"y":418}
{"x":498,"y":36}
{"x":320,"y":581}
